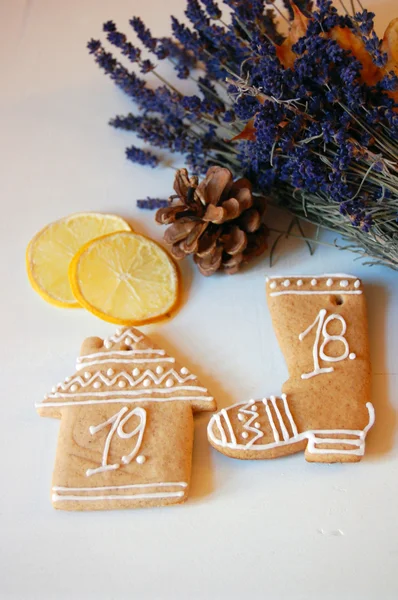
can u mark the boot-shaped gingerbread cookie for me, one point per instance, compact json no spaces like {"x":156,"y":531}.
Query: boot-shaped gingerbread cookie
{"x":324,"y":407}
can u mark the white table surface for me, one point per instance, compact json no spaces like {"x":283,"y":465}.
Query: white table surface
{"x":282,"y":529}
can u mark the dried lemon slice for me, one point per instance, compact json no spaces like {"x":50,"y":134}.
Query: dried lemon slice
{"x":49,"y":253}
{"x":125,"y":278}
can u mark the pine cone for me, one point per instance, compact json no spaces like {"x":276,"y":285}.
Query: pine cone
{"x":217,"y":220}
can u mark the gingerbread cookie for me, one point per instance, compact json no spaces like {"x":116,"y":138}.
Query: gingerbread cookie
{"x":324,"y":408}
{"x":126,"y":430}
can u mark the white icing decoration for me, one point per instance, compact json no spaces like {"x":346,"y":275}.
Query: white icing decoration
{"x":320,"y":352}
{"x":184,"y":371}
{"x":286,"y":283}
{"x":146,"y":382}
{"x":251,"y":410}
{"x":122,"y":383}
{"x":169,"y":383}
{"x":314,"y":281}
{"x":140,"y":459}
{"x":313,"y":276}
{"x":241,"y":417}
{"x":159,"y":370}
{"x":87,"y":375}
{"x":54,"y":389}
{"x":125,"y":353}
{"x":123,"y":399}
{"x":110,"y":372}
{"x":126,"y":333}
{"x":117,"y":422}
{"x":271,"y":420}
{"x":128,"y":341}
{"x":103,"y":488}
{"x":358,"y":444}
{"x":224,"y":413}
{"x":107,"y":344}
{"x":123,"y":361}
{"x":282,"y":425}
{"x":245,"y":434}
{"x":317,"y":370}
{"x":67,"y":379}
{"x":352,"y":356}
{"x":257,"y":425}
{"x":131,"y":392}
{"x":313,"y":292}
{"x":148,"y":375}
{"x":331,"y":338}
{"x":149,"y":496}
{"x":73,"y":387}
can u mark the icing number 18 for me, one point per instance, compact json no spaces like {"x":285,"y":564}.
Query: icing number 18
{"x":117,"y":422}
{"x":318,"y":352}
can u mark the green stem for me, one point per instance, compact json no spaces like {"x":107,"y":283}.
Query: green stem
{"x":301,"y":237}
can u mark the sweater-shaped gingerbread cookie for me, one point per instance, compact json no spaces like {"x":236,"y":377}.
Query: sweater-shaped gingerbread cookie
{"x":126,"y":430}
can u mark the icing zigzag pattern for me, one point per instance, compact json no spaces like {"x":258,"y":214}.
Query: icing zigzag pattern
{"x":247,"y":426}
{"x":121,"y":335}
{"x":123,"y":376}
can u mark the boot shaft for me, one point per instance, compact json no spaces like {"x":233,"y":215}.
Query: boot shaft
{"x":321,"y":326}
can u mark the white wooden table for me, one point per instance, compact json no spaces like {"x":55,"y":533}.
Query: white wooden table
{"x":282,"y":529}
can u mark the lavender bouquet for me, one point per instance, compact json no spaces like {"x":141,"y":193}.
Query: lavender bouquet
{"x":309,"y":118}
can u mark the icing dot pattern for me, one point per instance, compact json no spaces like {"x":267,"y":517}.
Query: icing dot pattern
{"x":339,"y":281}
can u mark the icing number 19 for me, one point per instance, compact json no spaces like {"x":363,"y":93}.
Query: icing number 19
{"x":117,"y":422}
{"x":318,"y":352}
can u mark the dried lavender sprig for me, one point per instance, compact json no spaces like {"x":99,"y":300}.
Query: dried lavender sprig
{"x":310,"y":157}
{"x":152,"y":203}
